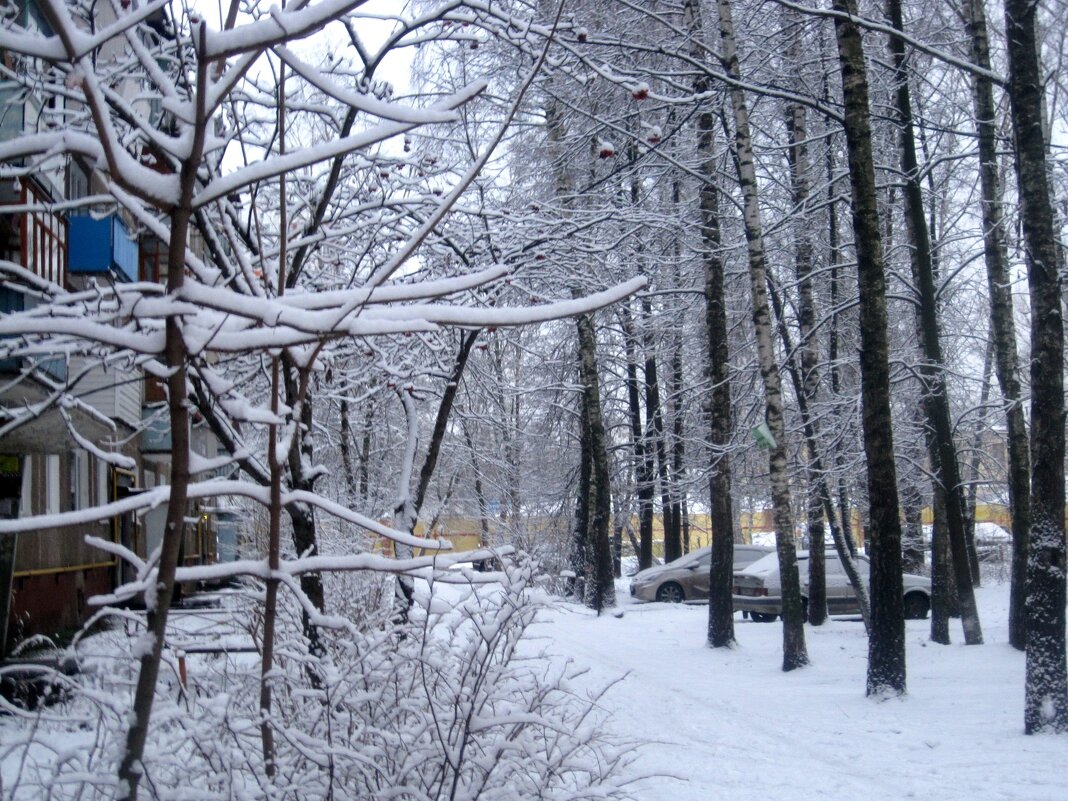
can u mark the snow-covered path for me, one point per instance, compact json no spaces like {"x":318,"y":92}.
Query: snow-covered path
{"x":731,"y":725}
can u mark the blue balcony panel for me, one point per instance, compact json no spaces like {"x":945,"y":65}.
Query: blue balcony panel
{"x":101,"y":245}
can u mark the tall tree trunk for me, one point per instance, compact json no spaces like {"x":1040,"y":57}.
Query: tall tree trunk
{"x":345,"y":437}
{"x":886,"y":645}
{"x":797,"y":154}
{"x":1002,"y":322}
{"x":302,"y":515}
{"x":845,"y":512}
{"x":974,"y":462}
{"x":643,"y":464}
{"x":410,"y":504}
{"x":675,"y":393}
{"x":654,"y":430}
{"x":795,"y":654}
{"x":600,"y":590}
{"x":942,"y":585}
{"x":936,"y":394}
{"x":365,"y":457}
{"x":720,"y":603}
{"x":820,"y":489}
{"x":580,"y":526}
{"x":678,"y":496}
{"x":1046,"y":690}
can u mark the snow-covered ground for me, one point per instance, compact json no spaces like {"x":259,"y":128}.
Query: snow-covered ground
{"x":730,"y":725}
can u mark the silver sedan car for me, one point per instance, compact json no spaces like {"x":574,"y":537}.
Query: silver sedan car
{"x":687,"y":578}
{"x":757,"y":589}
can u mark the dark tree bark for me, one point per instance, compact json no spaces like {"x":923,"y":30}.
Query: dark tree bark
{"x":795,"y":654}
{"x":886,"y":645}
{"x":345,"y":437}
{"x":406,"y":513}
{"x":654,"y":430}
{"x":678,"y":469}
{"x":942,"y":585}
{"x":720,"y":604}
{"x":943,"y":451}
{"x":599,"y":590}
{"x":1002,"y":322}
{"x":643,"y":464}
{"x":797,"y":155}
{"x":580,"y":526}
{"x":1046,"y":689}
{"x":365,"y":456}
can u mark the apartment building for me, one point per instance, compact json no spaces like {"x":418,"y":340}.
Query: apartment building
{"x":48,"y":576}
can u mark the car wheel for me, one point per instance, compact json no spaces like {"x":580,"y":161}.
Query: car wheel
{"x":916,"y":606}
{"x":762,"y":617}
{"x":670,"y":593}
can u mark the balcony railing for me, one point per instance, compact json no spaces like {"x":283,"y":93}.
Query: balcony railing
{"x":101,"y":245}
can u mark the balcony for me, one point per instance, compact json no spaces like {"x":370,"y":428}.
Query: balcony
{"x":101,"y":245}
{"x":114,"y":391}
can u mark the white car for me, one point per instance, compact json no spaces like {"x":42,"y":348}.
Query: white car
{"x":757,"y":589}
{"x":687,"y":578}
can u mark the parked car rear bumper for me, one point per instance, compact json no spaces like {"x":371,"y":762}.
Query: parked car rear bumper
{"x":768,"y":605}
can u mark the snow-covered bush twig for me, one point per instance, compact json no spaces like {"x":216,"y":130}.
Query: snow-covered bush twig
{"x":459,"y":707}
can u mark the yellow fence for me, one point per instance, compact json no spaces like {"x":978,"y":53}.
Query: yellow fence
{"x":464,"y":532}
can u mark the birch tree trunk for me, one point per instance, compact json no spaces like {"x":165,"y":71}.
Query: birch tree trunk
{"x":820,"y":492}
{"x":886,"y":644}
{"x":1046,"y":689}
{"x":797,"y":155}
{"x":794,"y":652}
{"x":1003,"y":326}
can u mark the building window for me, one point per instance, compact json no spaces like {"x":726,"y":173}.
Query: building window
{"x":52,"y":491}
{"x":26,"y":501}
{"x":153,"y":255}
{"x":79,"y":480}
{"x":102,"y":473}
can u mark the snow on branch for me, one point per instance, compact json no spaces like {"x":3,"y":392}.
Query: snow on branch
{"x":304,"y":157}
{"x":360,"y":101}
{"x":51,"y":48}
{"x":280,"y":26}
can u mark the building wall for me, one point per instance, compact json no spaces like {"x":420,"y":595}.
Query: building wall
{"x":54,"y":602}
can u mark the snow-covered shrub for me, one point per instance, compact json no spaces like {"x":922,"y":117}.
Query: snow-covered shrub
{"x":456,"y":706}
